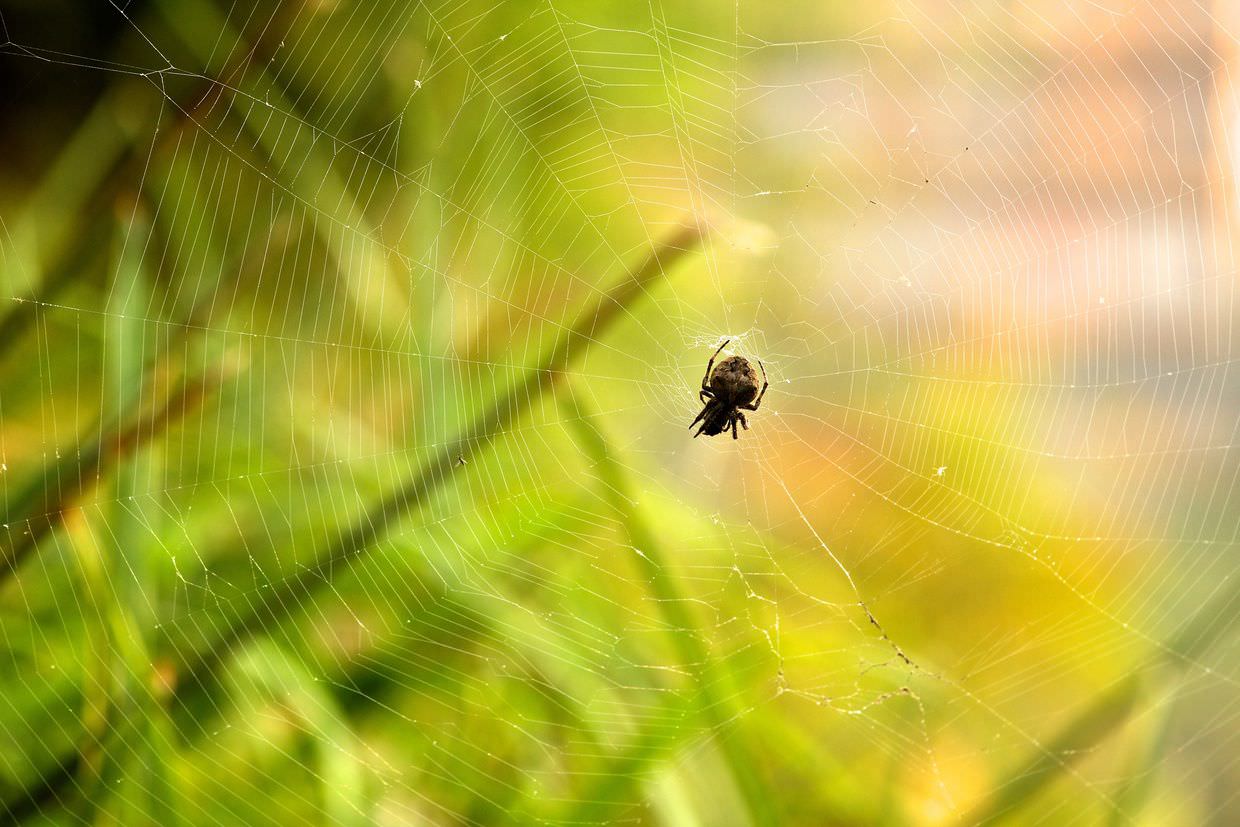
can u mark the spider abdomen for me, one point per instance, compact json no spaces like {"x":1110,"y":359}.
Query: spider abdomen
{"x":734,"y":380}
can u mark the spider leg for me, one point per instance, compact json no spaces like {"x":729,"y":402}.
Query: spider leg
{"x":753,"y":406}
{"x":710,"y":365}
{"x":701,"y":414}
{"x":734,"y":436}
{"x":705,"y":393}
{"x":741,"y":417}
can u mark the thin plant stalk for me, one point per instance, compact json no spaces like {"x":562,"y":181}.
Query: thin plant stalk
{"x":274,"y":605}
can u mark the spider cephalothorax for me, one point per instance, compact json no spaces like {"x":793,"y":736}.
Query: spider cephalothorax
{"x":728,"y":389}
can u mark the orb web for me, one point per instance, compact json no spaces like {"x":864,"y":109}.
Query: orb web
{"x":316,"y":524}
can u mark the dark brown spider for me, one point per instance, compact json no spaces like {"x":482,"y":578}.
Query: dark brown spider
{"x":727,"y":390}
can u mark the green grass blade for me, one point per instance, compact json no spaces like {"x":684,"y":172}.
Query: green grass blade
{"x":714,"y":707}
{"x":280,"y":601}
{"x":263,"y":668}
{"x":276,"y":604}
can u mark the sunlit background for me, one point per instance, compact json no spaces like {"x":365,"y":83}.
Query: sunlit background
{"x":347,"y":354}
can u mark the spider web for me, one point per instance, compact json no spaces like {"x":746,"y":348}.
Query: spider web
{"x":975,"y":550}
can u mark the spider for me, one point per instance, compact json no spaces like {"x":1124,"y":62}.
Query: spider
{"x":727,"y":390}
